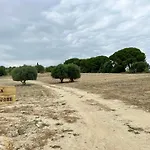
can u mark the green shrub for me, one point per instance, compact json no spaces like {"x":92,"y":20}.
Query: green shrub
{"x":60,"y":72}
{"x":24,"y":73}
{"x":2,"y":71}
{"x":73,"y":72}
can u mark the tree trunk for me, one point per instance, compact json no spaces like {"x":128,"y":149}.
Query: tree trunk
{"x":61,"y":80}
{"x":71,"y":80}
{"x":23,"y":82}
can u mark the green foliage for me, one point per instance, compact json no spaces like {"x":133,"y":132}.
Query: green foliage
{"x":49,"y":69}
{"x":97,"y":63}
{"x":60,"y":72}
{"x":118,"y":69}
{"x":2,"y":71}
{"x":63,"y":71}
{"x":73,"y":61}
{"x":40,"y":68}
{"x":24,"y":73}
{"x":139,"y":67}
{"x":107,"y":67}
{"x":90,"y":65}
{"x":9,"y":70}
{"x":126,"y":57}
{"x":73,"y":72}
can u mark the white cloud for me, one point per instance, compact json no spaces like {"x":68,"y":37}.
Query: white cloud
{"x":31,"y":28}
{"x":5,"y":47}
{"x":60,"y":29}
{"x":29,"y":62}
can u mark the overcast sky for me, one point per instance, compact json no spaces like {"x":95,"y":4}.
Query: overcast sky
{"x":50,"y":31}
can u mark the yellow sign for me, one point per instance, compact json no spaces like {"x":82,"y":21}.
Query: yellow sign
{"x":7,"y":94}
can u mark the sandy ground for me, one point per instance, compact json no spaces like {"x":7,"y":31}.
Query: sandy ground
{"x":104,"y":125}
{"x":50,"y":116}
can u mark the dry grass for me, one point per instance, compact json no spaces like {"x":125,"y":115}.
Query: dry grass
{"x":31,"y":121}
{"x":133,"y":89}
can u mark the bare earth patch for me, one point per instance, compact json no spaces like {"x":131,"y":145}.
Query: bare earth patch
{"x":36,"y":119}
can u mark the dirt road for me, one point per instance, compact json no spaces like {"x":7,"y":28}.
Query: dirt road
{"x":103,"y":124}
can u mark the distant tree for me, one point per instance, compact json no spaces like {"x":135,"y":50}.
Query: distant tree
{"x":49,"y":69}
{"x":2,"y":71}
{"x":97,"y":63}
{"x":138,"y":67}
{"x":40,"y":68}
{"x":24,"y":73}
{"x":126,"y":57}
{"x":107,"y":67}
{"x":93,"y":64}
{"x":9,"y":70}
{"x":85,"y":66}
{"x":60,"y":72}
{"x":73,"y":61}
{"x":73,"y":72}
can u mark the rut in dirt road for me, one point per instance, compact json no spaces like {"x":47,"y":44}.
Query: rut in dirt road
{"x":104,"y":124}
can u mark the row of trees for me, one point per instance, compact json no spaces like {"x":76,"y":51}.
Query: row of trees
{"x":24,"y":73}
{"x":125,"y":60}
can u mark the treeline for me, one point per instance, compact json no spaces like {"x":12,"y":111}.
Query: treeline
{"x":126,"y":60}
{"x":40,"y":69}
{"x":130,"y":60}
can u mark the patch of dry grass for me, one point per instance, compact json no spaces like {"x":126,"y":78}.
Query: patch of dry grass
{"x":133,"y":89}
{"x":26,"y":120}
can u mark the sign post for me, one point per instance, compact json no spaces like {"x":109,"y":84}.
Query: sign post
{"x":7,"y":94}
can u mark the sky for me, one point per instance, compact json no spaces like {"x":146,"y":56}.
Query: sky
{"x":51,"y":31}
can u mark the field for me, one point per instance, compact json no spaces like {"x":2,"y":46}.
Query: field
{"x":97,"y":112}
{"x":133,"y":89}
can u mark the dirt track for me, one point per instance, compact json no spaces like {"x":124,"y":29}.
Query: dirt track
{"x":49,"y":117}
{"x":104,"y":124}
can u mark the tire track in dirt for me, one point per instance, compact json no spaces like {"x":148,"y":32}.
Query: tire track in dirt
{"x":104,"y":124}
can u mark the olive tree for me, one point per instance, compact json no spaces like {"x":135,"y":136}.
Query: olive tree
{"x":73,"y":72}
{"x":60,"y":72}
{"x":24,"y":73}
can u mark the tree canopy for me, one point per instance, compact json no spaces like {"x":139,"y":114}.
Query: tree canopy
{"x":120,"y":61}
{"x":89,"y":65}
{"x":66,"y":71}
{"x":24,"y":73}
{"x":73,"y":72}
{"x":127,"y":57}
{"x":60,"y":72}
{"x":40,"y":68}
{"x":139,"y":67}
